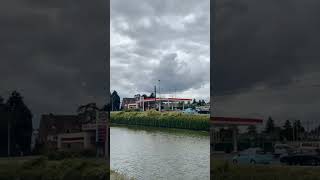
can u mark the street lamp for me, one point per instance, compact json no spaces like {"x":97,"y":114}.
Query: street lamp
{"x":159,"y":97}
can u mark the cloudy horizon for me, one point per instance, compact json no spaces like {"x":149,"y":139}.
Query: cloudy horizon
{"x":54,"y":54}
{"x":160,"y":40}
{"x":267,"y":60}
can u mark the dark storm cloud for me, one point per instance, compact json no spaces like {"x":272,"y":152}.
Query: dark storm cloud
{"x":160,"y":39}
{"x":54,"y":53}
{"x":266,"y":59}
{"x":269,"y":42}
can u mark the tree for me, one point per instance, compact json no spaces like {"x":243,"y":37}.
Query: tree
{"x":287,"y":130}
{"x":188,"y":104}
{"x":203,"y":103}
{"x":152,"y":95}
{"x":194,"y":101}
{"x":3,"y":128}
{"x":115,"y":101}
{"x":144,"y":96}
{"x":270,"y":126}
{"x":199,"y":103}
{"x":252,"y":130}
{"x":87,"y":112}
{"x":20,"y":121}
{"x":298,"y":129}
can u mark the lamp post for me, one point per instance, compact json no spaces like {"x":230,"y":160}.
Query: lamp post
{"x":159,"y":97}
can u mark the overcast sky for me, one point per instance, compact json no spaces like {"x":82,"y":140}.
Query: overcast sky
{"x":267,"y":60}
{"x":267,"y":54}
{"x":54,"y":53}
{"x":166,"y":40}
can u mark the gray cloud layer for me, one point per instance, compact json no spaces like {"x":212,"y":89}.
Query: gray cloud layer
{"x":267,"y":58}
{"x":54,"y":53}
{"x":160,"y":39}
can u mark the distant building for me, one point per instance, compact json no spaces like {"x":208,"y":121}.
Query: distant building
{"x":67,"y":132}
{"x":126,"y":102}
{"x":139,"y":102}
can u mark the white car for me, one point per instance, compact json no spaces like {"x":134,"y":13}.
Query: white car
{"x":282,"y":149}
{"x":252,"y":156}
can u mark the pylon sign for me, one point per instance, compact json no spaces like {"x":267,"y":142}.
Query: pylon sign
{"x":101,"y":126}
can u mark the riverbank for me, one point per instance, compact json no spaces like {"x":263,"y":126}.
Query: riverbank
{"x":163,"y":120}
{"x":227,"y":171}
{"x":40,"y":168}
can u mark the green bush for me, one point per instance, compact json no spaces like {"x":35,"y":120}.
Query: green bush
{"x":164,"y":119}
{"x":60,"y":155}
{"x":44,"y":169}
{"x":226,"y":171}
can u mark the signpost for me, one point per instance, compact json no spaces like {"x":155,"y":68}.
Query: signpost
{"x":102,"y":129}
{"x":102,"y":134}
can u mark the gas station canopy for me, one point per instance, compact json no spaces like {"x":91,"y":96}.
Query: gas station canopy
{"x":235,"y":121}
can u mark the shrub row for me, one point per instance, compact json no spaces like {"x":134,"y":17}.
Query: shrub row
{"x":226,"y":171}
{"x":60,"y":155}
{"x":164,"y":119}
{"x":43,"y":169}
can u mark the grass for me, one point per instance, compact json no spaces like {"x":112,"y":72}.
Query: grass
{"x":164,"y":120}
{"x":226,"y":171}
{"x":40,"y":168}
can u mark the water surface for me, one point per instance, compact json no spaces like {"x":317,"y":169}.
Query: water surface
{"x":155,"y":153}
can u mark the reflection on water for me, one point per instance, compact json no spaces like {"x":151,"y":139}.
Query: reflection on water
{"x":153,"y":153}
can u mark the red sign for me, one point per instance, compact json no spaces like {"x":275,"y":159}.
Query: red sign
{"x":101,"y":131}
{"x":235,"y":121}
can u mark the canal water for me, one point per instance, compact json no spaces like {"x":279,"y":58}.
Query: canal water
{"x":154,"y":153}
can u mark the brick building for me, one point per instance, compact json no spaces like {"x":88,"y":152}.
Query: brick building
{"x":67,"y":132}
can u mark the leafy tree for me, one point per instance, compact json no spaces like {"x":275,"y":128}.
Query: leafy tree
{"x":20,"y":121}
{"x":152,"y":95}
{"x":115,"y":101}
{"x":144,"y":96}
{"x":87,"y":112}
{"x":203,"y":103}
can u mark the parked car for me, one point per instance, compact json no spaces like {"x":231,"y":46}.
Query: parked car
{"x":282,"y":149}
{"x":307,"y":151}
{"x":252,"y":156}
{"x":190,"y":111}
{"x":301,"y":159}
{"x":303,"y":156}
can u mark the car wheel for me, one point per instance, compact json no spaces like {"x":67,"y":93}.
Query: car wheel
{"x":235,"y":161}
{"x":252,"y":162}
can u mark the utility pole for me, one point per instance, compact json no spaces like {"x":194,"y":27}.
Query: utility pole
{"x":155,"y":97}
{"x":97,"y":134}
{"x":9,"y":136}
{"x":293,"y":129}
{"x":159,"y":97}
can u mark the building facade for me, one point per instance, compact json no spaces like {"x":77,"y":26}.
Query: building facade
{"x":69,"y":132}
